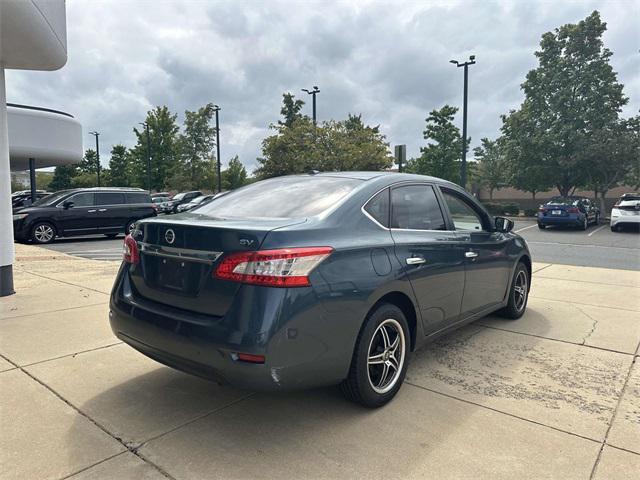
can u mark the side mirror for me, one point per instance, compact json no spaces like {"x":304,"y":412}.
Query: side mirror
{"x":503,"y":225}
{"x":67,"y":205}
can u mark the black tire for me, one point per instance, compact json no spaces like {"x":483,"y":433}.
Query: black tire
{"x":111,"y":235}
{"x":517,"y":306}
{"x":585,"y":224}
{"x":366,"y":383}
{"x":597,"y":220}
{"x":541,"y":226}
{"x":129,"y":226}
{"x":43,"y":233}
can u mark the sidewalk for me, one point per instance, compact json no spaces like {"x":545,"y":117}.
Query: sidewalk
{"x":555,"y":394}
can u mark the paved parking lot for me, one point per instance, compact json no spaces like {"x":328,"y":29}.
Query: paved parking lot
{"x":595,"y":247}
{"x":555,"y":394}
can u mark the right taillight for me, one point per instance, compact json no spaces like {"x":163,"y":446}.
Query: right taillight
{"x":130,"y":252}
{"x":286,"y":267}
{"x":573,"y":210}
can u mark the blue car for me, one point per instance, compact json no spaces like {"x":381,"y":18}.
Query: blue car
{"x":577,"y":212}
{"x":310,"y":280}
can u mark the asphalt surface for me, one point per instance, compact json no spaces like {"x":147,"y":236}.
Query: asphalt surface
{"x":598,"y":246}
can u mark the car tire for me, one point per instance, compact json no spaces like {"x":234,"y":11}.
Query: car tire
{"x":585,"y":224}
{"x":43,"y":233}
{"x":518,"y":293}
{"x":541,"y":226}
{"x":129,"y":226}
{"x":380,"y":358}
{"x":597,"y":220}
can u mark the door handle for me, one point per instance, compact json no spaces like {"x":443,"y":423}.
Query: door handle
{"x":102,"y":210}
{"x":471,"y":254}
{"x":416,"y":260}
{"x":91,"y":211}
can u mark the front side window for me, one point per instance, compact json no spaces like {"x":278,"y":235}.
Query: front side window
{"x":378,"y":207}
{"x":415,"y":207}
{"x":81,"y":200}
{"x":463,"y":215}
{"x":108,"y":198}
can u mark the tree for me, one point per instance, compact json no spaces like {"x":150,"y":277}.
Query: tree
{"x":235,"y":175}
{"x":196,"y":144}
{"x":491,"y":171}
{"x":89,"y":163}
{"x":571,"y":94}
{"x":440,"y":158}
{"x":43,"y":180}
{"x":62,"y":177}
{"x":119,"y":166}
{"x":290,"y":110}
{"x":163,"y":134}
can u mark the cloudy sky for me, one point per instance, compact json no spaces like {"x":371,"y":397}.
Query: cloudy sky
{"x":388,"y":61}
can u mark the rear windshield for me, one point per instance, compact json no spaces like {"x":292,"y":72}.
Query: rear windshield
{"x":563,"y":201}
{"x":282,"y":197}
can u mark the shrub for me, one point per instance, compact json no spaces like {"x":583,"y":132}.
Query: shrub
{"x":494,"y":208}
{"x":530,"y":212}
{"x":511,"y":209}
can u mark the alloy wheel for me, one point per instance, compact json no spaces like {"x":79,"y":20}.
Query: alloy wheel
{"x":43,"y":233}
{"x":520,"y":290}
{"x":386,"y":356}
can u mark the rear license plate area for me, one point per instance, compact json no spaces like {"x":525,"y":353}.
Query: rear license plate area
{"x":178,"y":276}
{"x":556,"y":212}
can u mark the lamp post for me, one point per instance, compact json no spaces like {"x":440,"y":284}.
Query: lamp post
{"x":146,"y":126}
{"x":313,"y":92}
{"x":216,"y":109}
{"x":96,"y":134}
{"x":463,"y":165}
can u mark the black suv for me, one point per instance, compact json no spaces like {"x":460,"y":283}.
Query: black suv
{"x":82,"y":211}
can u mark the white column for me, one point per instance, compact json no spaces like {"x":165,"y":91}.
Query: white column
{"x":7,"y":254}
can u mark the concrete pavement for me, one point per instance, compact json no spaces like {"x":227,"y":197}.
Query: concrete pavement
{"x":555,"y":394}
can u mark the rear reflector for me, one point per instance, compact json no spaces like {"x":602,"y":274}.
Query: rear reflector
{"x":573,"y":210}
{"x":130,"y":253}
{"x":287,"y":267}
{"x":248,"y":357}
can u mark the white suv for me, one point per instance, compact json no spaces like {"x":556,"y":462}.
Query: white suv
{"x":626,"y":211}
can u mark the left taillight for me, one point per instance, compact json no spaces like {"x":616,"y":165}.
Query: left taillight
{"x":286,"y":267}
{"x":130,"y":252}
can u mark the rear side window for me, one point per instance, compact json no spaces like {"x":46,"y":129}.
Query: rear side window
{"x":138,"y":198}
{"x":109,"y":198}
{"x":415,"y":207}
{"x":282,"y":197}
{"x":378,"y":207}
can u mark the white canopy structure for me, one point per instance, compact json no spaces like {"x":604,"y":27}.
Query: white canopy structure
{"x":33,"y":36}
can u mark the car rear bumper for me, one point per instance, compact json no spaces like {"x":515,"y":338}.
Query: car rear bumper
{"x":296,"y":356}
{"x":625,"y":220}
{"x":560,"y":220}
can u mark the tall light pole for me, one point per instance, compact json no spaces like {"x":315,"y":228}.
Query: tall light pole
{"x":463,"y":165}
{"x":96,"y":134}
{"x":313,"y":92}
{"x":146,"y":127}
{"x":216,"y":109}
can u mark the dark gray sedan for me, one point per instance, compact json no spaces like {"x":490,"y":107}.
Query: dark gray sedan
{"x":310,"y":280}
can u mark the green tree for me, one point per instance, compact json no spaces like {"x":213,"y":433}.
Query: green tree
{"x":235,"y":175}
{"x":164,"y":148}
{"x":572,"y":93}
{"x":490,"y":170}
{"x":119,"y":166}
{"x":89,"y":163}
{"x":196,"y":144}
{"x":43,"y":180}
{"x":441,"y":157}
{"x":62,"y":177}
{"x":290,"y":110}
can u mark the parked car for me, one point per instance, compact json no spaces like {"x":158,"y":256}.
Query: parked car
{"x":196,"y":202}
{"x":568,"y":211}
{"x":158,"y":202}
{"x":626,"y":212}
{"x":309,"y":280}
{"x":82,"y":211}
{"x":23,"y":199}
{"x":184,"y":197}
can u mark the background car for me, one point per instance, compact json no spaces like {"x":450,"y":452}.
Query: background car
{"x":158,"y":201}
{"x":23,"y":198}
{"x":568,"y":211}
{"x":196,"y":202}
{"x":626,"y":212}
{"x":184,"y":197}
{"x":82,"y":211}
{"x":310,"y":280}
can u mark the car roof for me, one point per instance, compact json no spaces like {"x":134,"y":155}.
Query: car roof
{"x":107,"y":189}
{"x":393,"y":176}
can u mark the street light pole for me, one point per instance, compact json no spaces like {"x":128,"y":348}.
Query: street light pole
{"x":313,"y":92}
{"x":463,"y":165}
{"x":96,"y":134}
{"x":146,"y":126}
{"x":216,"y":109}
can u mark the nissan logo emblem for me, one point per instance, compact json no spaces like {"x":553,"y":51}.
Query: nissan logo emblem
{"x":170,"y":236}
